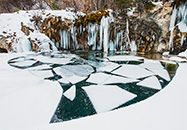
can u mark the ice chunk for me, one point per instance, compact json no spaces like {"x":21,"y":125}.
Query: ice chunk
{"x":124,"y":58}
{"x":98,"y":78}
{"x":71,"y":93}
{"x":105,"y":98}
{"x":70,"y":70}
{"x":116,"y":79}
{"x":74,"y":79}
{"x":102,"y":78}
{"x":133,"y":71}
{"x":107,"y":66}
{"x":73,"y":74}
{"x":151,"y":82}
{"x":157,"y":68}
{"x":152,"y":64}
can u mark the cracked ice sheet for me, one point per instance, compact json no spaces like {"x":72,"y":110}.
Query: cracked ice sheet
{"x":157,"y":68}
{"x":46,"y":59}
{"x":102,"y":78}
{"x":108,"y":66}
{"x":133,"y":71}
{"x":25,"y":99}
{"x":124,"y":58}
{"x":151,"y":82}
{"x":107,"y":97}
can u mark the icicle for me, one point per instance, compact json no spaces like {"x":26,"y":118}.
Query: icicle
{"x":121,"y":41}
{"x":101,"y":33}
{"x":172,"y":25}
{"x":61,"y":38}
{"x":23,"y":45}
{"x":74,"y":37}
{"x":106,"y":36}
{"x":92,"y":35}
{"x":133,"y":47}
{"x":182,"y":16}
{"x":182,"y":39}
{"x":127,"y":32}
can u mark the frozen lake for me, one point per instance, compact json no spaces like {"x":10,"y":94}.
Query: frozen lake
{"x":92,"y":83}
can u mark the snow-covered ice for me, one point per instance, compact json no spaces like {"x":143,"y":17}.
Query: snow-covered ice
{"x":105,"y":98}
{"x":133,"y":71}
{"x":125,"y":58}
{"x":156,"y":67}
{"x":107,"y":66}
{"x":98,"y":78}
{"x":151,"y":82}
{"x":102,"y":78}
{"x":70,"y":70}
{"x":71,"y":93}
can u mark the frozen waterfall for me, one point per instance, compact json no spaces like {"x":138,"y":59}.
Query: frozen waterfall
{"x":96,"y":37}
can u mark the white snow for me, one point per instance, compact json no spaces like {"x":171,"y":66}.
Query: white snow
{"x":160,"y":3}
{"x":170,"y":62}
{"x":177,"y":59}
{"x":10,"y":25}
{"x":105,"y":98}
{"x":183,"y":53}
{"x":71,"y":93}
{"x":102,"y":78}
{"x":125,"y":58}
{"x":133,"y":71}
{"x":24,"y":97}
{"x":131,"y":11}
{"x":151,"y":82}
{"x":42,"y":73}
